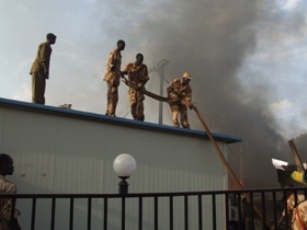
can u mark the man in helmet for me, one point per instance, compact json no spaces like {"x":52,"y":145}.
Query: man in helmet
{"x":138,"y":76}
{"x":180,"y":96}
{"x":40,"y":69}
{"x":112,"y":77}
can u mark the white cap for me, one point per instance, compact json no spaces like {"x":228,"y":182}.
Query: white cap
{"x":187,"y":75}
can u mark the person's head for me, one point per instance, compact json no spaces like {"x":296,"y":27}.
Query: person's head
{"x":6,"y":164}
{"x":139,"y":58}
{"x":51,"y":38}
{"x":186,"y":78}
{"x":121,"y":45}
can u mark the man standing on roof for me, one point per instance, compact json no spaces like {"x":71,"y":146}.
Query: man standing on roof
{"x":138,"y":76}
{"x":112,"y":77}
{"x":180,"y":96}
{"x":40,"y":69}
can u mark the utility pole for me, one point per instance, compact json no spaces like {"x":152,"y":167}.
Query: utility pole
{"x":160,"y":69}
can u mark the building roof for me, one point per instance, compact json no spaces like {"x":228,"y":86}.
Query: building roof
{"x":75,"y":114}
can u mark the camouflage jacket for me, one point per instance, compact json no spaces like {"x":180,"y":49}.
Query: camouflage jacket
{"x":137,"y":74}
{"x":42,"y":59}
{"x":6,"y":187}
{"x":114,"y":62}
{"x":178,"y":92}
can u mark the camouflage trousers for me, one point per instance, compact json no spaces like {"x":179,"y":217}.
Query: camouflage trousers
{"x":112,"y":99}
{"x":180,"y":109}
{"x":136,"y":101}
{"x":38,"y":88}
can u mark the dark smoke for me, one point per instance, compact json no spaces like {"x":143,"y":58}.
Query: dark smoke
{"x":212,"y":39}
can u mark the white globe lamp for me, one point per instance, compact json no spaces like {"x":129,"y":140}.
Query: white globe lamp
{"x":124,"y":165}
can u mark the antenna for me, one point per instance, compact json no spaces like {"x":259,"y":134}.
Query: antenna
{"x":160,"y":69}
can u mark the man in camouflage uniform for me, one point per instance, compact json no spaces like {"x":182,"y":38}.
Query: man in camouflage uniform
{"x":112,"y":77}
{"x":138,"y":76}
{"x":40,"y":69}
{"x":299,"y":216}
{"x":296,"y":203}
{"x":7,"y":187}
{"x":180,"y":96}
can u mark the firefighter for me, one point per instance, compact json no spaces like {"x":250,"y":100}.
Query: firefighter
{"x":138,"y":76}
{"x":112,"y":77}
{"x":180,"y":97}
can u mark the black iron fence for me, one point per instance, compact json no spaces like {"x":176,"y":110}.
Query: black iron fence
{"x":243,"y":210}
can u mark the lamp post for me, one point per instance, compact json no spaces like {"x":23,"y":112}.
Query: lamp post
{"x":124,"y":165}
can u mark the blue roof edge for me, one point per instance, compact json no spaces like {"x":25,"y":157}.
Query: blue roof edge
{"x":20,"y":105}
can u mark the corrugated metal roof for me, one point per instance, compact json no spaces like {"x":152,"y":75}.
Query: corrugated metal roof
{"x":114,"y":120}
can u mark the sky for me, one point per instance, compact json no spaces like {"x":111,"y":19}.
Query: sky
{"x":247,"y":60}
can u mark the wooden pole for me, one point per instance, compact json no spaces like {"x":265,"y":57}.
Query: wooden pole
{"x":226,"y":165}
{"x":217,"y":149}
{"x":296,"y":156}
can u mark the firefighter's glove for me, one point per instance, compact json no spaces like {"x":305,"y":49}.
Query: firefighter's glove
{"x":191,"y":106}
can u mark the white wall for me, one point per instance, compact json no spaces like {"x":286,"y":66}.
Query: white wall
{"x":59,"y":151}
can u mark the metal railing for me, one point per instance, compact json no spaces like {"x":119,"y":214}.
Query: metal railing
{"x":179,"y":210}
